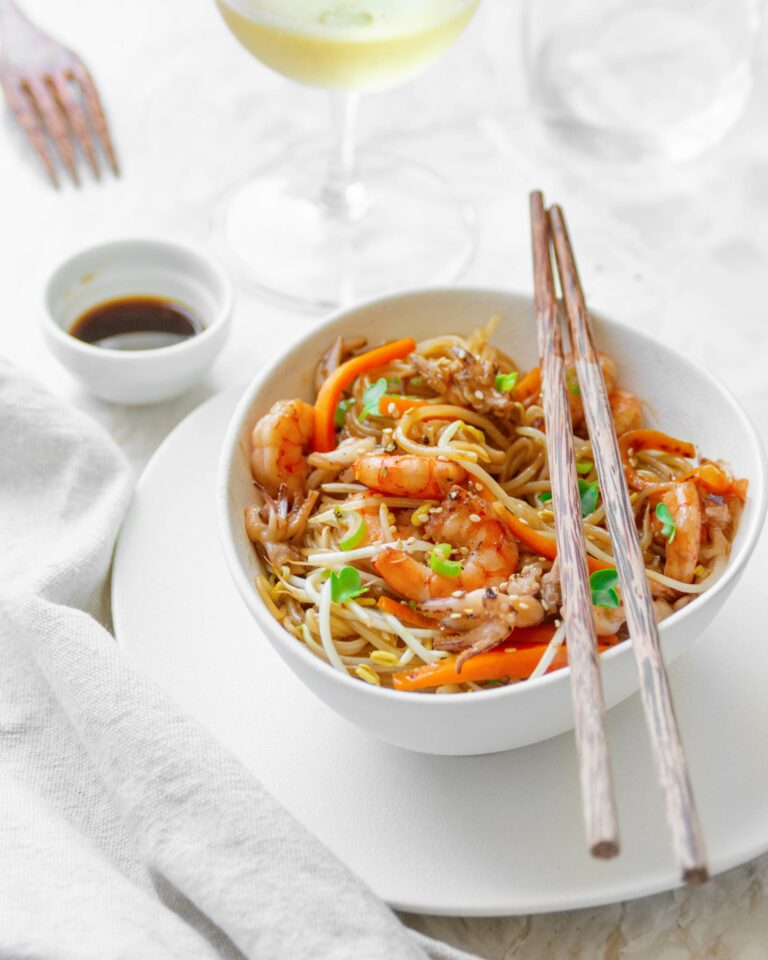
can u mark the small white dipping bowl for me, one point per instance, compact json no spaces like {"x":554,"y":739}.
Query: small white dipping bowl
{"x":686,"y":401}
{"x":127,"y":268}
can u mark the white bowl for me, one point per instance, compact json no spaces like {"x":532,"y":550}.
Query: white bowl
{"x":137,"y":268}
{"x":688,"y":401}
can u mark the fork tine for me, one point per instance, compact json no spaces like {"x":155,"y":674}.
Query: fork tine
{"x":48,"y":110}
{"x":82,"y":77}
{"x":73,"y":111}
{"x":28,"y":119}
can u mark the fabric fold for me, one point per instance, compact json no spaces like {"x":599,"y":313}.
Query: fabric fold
{"x":126,"y":829}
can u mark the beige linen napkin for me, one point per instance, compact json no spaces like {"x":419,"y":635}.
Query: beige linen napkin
{"x":125,"y":829}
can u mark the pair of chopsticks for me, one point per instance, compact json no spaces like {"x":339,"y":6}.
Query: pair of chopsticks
{"x":589,"y":709}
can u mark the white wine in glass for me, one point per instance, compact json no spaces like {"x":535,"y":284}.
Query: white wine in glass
{"x":324,"y":229}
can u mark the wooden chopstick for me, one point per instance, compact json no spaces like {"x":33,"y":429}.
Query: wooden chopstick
{"x":654,"y":684}
{"x":588,"y":707}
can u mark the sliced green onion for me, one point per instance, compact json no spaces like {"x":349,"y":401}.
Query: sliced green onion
{"x":572,"y":382}
{"x":584,"y":466}
{"x":417,"y":381}
{"x":603,"y":585}
{"x":669,"y":527}
{"x":544,"y":497}
{"x":588,"y":493}
{"x":506,"y":381}
{"x":341,"y":411}
{"x":346,"y":584}
{"x":372,"y":398}
{"x":358,"y":528}
{"x":439,"y":562}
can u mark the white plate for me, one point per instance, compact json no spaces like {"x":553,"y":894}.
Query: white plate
{"x":481,"y":836}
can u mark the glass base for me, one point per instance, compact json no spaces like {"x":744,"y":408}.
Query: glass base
{"x":402,"y":227}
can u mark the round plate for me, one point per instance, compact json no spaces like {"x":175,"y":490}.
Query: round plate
{"x":468,"y":836}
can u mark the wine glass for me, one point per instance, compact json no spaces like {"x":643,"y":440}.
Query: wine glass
{"x":323,"y":229}
{"x":631,"y":83}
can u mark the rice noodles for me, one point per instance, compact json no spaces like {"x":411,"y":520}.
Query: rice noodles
{"x":417,"y":549}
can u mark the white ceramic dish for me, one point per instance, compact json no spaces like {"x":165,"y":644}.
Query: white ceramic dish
{"x":484,"y":836}
{"x":688,"y":401}
{"x":137,"y":268}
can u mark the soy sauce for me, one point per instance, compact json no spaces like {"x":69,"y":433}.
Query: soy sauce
{"x":136,"y":323}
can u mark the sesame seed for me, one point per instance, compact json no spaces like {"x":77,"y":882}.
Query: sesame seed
{"x":474,"y":517}
{"x":523,"y":520}
{"x":411,"y":540}
{"x":469,"y":611}
{"x":435,"y":509}
{"x":392,"y":410}
{"x":557,"y":623}
{"x":455,"y":616}
{"x":479,"y":395}
{"x":458,"y":594}
{"x":523,"y":604}
{"x":390,"y":448}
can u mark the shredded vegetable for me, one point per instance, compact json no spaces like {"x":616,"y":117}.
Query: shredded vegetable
{"x":331,"y":391}
{"x":358,"y":529}
{"x":439,"y":562}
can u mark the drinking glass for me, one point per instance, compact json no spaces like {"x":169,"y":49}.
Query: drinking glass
{"x":632,"y":81}
{"x":323,"y":228}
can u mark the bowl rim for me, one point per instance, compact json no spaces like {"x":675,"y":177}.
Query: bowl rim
{"x":221,"y":283}
{"x":279,"y":635}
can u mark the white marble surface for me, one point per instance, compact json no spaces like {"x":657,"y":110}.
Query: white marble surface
{"x":683,"y":252}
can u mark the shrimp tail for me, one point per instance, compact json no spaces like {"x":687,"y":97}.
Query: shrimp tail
{"x":279,"y":522}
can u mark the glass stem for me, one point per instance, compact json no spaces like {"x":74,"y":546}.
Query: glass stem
{"x":342,"y":193}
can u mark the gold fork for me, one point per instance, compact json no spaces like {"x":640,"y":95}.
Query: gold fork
{"x":52,"y":95}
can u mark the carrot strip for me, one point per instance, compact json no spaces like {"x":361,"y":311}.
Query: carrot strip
{"x":544,"y":546}
{"x":740,"y":488}
{"x":504,"y":663}
{"x":715,"y":480}
{"x":647,"y":439}
{"x":401,"y":404}
{"x":405,"y":613}
{"x":529,"y":386}
{"x":331,"y":391}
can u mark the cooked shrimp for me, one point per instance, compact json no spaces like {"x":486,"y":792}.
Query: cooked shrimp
{"x":684,"y":504}
{"x":469,"y":524}
{"x":279,"y":523}
{"x":627,"y":411}
{"x":609,"y":620}
{"x":407,"y":475}
{"x":574,"y":393}
{"x":280,"y":440}
{"x":487,"y":614}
